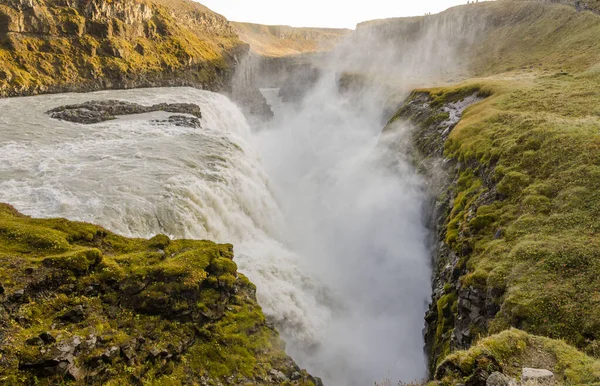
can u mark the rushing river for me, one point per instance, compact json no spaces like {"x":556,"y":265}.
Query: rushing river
{"x":333,"y":240}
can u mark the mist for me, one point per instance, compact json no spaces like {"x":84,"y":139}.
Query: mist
{"x":355,"y":209}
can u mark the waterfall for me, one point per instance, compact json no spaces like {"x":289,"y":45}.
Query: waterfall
{"x":331,"y":238}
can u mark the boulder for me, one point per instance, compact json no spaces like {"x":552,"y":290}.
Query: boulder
{"x":278,"y":375}
{"x":47,"y":338}
{"x":539,"y":375}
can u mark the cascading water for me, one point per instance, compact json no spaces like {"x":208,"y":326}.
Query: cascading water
{"x":354,"y":210}
{"x":138,"y":178}
{"x":328,"y":231}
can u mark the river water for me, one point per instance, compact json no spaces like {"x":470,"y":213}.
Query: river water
{"x":333,"y":239}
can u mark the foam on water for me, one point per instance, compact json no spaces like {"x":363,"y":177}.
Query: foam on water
{"x":139,"y":179}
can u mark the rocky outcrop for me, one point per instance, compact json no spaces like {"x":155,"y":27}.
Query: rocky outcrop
{"x":64,"y":45}
{"x":82,"y":305}
{"x":101,"y":111}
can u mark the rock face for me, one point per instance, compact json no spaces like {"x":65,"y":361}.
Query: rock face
{"x":86,"y":306}
{"x":64,"y":45}
{"x":457,"y":312}
{"x":100,"y":111}
{"x":279,"y":40}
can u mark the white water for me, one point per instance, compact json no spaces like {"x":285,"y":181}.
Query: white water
{"x":332,"y":238}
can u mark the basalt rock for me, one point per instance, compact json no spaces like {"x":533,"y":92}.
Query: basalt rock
{"x":180,"y":121}
{"x":100,"y":111}
{"x":62,"y":46}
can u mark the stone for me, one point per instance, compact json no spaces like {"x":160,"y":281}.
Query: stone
{"x":499,"y":379}
{"x":111,"y":353}
{"x":91,"y":341}
{"x":68,"y":347}
{"x":295,"y":376}
{"x":47,"y":338}
{"x":181,"y":121}
{"x":19,"y":294}
{"x":82,"y":116}
{"x":128,"y":351}
{"x":75,"y":373}
{"x":74,"y":315}
{"x":540,"y":375}
{"x":154,"y":352}
{"x":34,"y":341}
{"x":278,"y":375}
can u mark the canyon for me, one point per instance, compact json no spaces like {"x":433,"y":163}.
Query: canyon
{"x":412,"y":201}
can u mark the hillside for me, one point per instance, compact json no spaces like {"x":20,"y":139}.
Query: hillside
{"x":277,"y":41}
{"x":517,"y":217}
{"x":52,"y":45}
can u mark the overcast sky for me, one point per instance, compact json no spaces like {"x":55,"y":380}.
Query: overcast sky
{"x":323,"y":13}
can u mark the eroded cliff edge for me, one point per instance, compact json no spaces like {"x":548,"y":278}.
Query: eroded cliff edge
{"x":515,"y":179}
{"x":81,"y":305}
{"x":86,"y":45}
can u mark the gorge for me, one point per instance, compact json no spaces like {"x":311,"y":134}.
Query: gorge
{"x":415,"y":200}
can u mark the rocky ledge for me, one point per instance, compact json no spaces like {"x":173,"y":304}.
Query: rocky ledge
{"x":101,"y":111}
{"x":81,"y":305}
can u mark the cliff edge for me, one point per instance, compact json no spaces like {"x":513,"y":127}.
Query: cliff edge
{"x":85,"y":45}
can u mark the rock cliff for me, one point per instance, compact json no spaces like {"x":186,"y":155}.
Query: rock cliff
{"x":81,"y":305}
{"x":83,"y":45}
{"x":279,"y":40}
{"x":513,"y":176}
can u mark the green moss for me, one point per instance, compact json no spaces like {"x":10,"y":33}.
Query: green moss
{"x":512,"y":183}
{"x":160,"y":242}
{"x":77,"y":52}
{"x":446,"y":311}
{"x":541,"y":192}
{"x":514,"y":349}
{"x":80,"y":261}
{"x":175,"y":310}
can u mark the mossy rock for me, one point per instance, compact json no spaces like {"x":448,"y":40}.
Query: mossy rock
{"x":512,"y":350}
{"x":85,"y":306}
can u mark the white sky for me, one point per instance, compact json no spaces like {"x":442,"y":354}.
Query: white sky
{"x":323,"y":13}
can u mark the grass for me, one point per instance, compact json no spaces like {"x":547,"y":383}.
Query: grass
{"x":524,"y":207}
{"x":524,"y":215}
{"x":175,"y":310}
{"x":570,"y":366}
{"x":541,"y":142}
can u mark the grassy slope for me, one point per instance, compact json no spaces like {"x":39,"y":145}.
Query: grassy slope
{"x":511,"y":349}
{"x":277,"y":41}
{"x":173,"y":44}
{"x":174,"y":311}
{"x":535,"y":143}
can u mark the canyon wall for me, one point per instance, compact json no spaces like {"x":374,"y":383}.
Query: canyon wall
{"x":83,"y":45}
